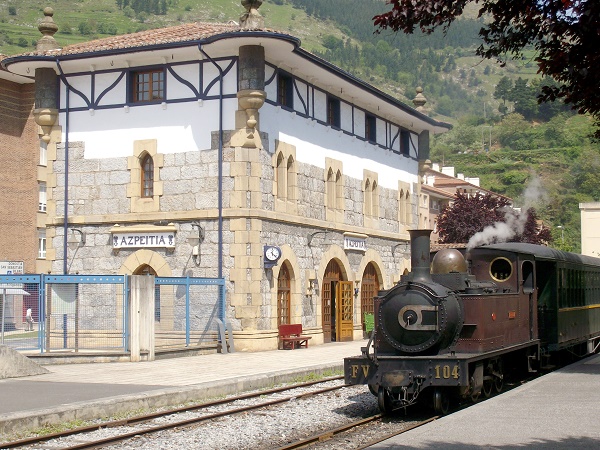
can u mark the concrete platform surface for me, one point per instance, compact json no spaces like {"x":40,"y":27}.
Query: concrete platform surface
{"x":87,"y":391}
{"x":560,"y":410}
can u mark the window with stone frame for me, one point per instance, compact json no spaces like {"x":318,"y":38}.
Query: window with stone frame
{"x":285,"y":186}
{"x":371,"y":194}
{"x":145,"y":187}
{"x":41,"y":243}
{"x":42,"y":197}
{"x":148,"y":85}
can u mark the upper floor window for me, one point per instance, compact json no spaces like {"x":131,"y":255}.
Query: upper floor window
{"x":147,"y":176}
{"x":370,"y":128}
{"x":333,"y":112}
{"x":285,"y":90}
{"x":405,"y":143}
{"x":148,"y":85}
{"x":42,"y":197}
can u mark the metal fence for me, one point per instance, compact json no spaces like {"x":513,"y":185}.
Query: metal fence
{"x":86,"y":313}
{"x":21,"y":311}
{"x":186,"y":310}
{"x":72,"y":313}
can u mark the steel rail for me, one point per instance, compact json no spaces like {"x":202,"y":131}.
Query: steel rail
{"x":152,"y":416}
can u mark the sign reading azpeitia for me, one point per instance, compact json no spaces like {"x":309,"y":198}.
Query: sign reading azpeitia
{"x":143,"y":240}
{"x":144,"y":236}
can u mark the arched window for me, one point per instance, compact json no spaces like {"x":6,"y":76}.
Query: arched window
{"x":339,"y":190}
{"x":368,"y":198}
{"x":331,"y":185}
{"x":290,"y":179}
{"x":281,"y":177}
{"x":147,"y":176}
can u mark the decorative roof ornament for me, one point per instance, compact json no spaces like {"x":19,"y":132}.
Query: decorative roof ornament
{"x":47,"y":27}
{"x":420,"y":100}
{"x":251,"y":19}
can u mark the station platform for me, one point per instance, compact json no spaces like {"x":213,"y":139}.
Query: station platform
{"x":94,"y":390}
{"x":560,"y":410}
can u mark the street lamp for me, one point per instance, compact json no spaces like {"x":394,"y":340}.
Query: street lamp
{"x":73,"y":243}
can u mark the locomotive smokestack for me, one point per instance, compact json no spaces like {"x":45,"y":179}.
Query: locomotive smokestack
{"x":419,"y":255}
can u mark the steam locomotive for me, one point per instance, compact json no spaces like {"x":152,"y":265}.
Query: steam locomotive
{"x":461,"y":321}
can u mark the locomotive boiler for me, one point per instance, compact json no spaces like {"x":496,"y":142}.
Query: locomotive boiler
{"x":453,"y":327}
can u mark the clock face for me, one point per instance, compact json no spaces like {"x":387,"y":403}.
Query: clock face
{"x":272,"y":253}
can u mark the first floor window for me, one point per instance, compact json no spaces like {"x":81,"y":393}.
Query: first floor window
{"x":41,"y":244}
{"x":147,"y":176}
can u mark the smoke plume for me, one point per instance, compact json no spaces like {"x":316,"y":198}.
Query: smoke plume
{"x":514,"y":218}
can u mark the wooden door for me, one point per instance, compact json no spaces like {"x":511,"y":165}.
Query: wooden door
{"x":344,"y":315}
{"x":283,"y":296}
{"x":328,"y":301}
{"x":369,"y":287}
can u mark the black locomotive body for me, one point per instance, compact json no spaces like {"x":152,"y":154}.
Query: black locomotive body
{"x":455,"y":325}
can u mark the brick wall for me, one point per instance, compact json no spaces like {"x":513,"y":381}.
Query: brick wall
{"x":19,"y":157}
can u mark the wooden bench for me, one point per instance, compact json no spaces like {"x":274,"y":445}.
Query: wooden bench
{"x":290,"y":336}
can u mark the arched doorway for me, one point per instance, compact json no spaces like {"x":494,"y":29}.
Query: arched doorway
{"x":369,"y":289}
{"x":283,"y":295}
{"x":337,"y":305}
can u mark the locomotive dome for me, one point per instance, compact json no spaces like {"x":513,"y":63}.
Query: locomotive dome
{"x":447,"y":261}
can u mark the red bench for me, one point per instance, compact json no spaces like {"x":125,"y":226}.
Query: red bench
{"x":290,"y":336}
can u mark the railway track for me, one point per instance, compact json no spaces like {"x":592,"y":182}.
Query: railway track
{"x":173,"y":424}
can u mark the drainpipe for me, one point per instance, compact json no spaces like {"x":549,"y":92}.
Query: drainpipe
{"x":66,"y":209}
{"x":220,"y":252}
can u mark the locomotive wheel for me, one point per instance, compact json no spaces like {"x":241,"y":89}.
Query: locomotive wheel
{"x":488,"y":380}
{"x":441,"y":402}
{"x":499,"y":378}
{"x":374,"y":388}
{"x":385,"y":400}
{"x":487,"y":387}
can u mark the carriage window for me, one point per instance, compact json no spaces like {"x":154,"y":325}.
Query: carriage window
{"x":501,"y":269}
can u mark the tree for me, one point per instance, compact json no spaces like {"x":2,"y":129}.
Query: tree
{"x":468,"y":215}
{"x":564,"y":34}
{"x":503,"y":89}
{"x":485,"y":219}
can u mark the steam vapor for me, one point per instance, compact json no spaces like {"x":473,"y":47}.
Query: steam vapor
{"x":514,"y":218}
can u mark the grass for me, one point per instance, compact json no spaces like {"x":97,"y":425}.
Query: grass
{"x":25,"y":335}
{"x":70,"y":13}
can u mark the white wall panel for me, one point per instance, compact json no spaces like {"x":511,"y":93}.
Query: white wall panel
{"x":117,"y":95}
{"x":176,"y":89}
{"x":180,"y":127}
{"x":315,"y":142}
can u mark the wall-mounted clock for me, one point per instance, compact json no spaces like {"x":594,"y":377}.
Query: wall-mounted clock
{"x":272,"y":255}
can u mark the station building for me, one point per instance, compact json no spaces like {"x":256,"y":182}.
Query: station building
{"x":227,"y":150}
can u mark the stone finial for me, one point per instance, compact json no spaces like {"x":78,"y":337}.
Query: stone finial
{"x":47,"y":27}
{"x":420,"y":100}
{"x":251,"y":19}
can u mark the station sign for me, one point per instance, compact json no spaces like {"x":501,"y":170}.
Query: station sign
{"x":143,"y":240}
{"x":355,"y":241}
